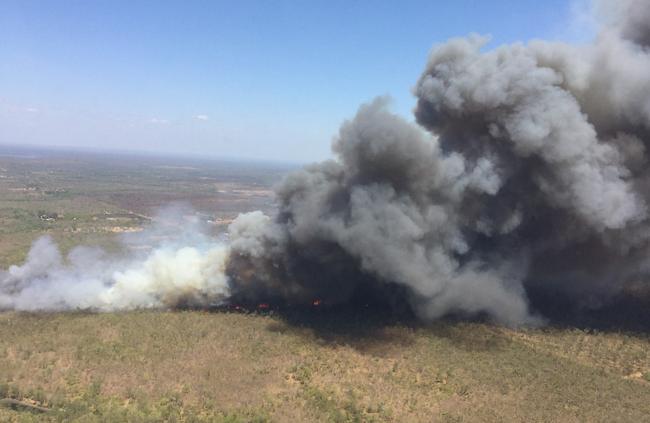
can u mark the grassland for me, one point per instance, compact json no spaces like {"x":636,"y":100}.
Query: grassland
{"x":334,"y":365}
{"x":82,"y":198}
{"x":291,"y":365}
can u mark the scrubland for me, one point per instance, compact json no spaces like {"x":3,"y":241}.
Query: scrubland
{"x":340,"y":365}
{"x":352,"y":364}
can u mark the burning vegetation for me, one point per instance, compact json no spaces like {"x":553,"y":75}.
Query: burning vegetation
{"x":525,"y":176}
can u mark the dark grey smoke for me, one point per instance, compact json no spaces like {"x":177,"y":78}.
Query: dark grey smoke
{"x":527,"y":171}
{"x":631,"y":18}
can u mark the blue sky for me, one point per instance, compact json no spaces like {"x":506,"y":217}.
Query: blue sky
{"x":240,"y":79}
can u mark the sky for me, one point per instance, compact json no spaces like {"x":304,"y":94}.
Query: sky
{"x":270,"y":80}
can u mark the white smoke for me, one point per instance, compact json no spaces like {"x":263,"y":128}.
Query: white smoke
{"x":526,"y":171}
{"x":183,"y":267}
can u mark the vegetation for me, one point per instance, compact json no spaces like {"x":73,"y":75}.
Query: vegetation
{"x":216,"y":366}
{"x":87,"y":199}
{"x":290,"y":365}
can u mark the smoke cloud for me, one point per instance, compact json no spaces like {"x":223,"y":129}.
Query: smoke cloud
{"x":526,"y":170}
{"x":177,"y":266}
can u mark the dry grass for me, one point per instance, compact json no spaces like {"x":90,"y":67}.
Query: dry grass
{"x":301,"y":366}
{"x":315,"y":366}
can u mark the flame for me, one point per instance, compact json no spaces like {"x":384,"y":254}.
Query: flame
{"x":316,"y":302}
{"x":263,"y":306}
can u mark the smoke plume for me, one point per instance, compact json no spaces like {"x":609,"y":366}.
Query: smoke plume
{"x":526,"y":170}
{"x":177,"y":266}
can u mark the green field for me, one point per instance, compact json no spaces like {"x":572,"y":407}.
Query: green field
{"x":295,"y":365}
